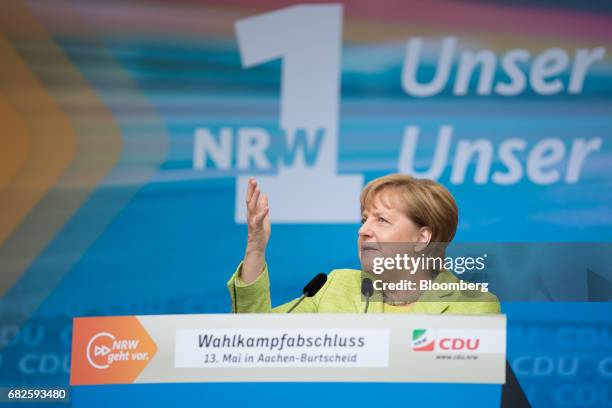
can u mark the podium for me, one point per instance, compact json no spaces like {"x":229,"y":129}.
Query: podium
{"x":289,"y":348}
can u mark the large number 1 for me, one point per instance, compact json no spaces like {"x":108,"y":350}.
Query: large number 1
{"x":308,"y":39}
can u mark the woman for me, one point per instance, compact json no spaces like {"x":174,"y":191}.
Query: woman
{"x":395,"y":209}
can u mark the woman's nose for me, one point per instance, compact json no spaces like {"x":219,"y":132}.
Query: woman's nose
{"x":365,"y":231}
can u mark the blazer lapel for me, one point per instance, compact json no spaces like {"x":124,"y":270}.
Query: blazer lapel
{"x":436,"y":302}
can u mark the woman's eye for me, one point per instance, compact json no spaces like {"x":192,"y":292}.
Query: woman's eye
{"x":363,"y":220}
{"x":381,"y":219}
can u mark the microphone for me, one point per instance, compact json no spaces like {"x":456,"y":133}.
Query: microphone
{"x":367,"y":290}
{"x":311,"y":289}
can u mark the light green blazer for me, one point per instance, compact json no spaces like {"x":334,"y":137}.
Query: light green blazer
{"x":342,"y":294}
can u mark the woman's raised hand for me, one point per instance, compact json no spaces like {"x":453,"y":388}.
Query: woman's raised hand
{"x":258,"y":221}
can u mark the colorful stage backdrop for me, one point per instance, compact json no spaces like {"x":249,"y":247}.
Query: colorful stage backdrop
{"x":129,"y":129}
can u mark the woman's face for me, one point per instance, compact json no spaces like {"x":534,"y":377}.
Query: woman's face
{"x":384,"y":222}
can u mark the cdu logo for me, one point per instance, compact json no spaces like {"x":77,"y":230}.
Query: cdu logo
{"x":423,"y":340}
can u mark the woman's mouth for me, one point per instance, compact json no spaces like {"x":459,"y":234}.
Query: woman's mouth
{"x":369,"y":247}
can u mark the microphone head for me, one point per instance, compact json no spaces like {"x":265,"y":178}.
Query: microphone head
{"x":367,"y":287}
{"x":315,"y":285}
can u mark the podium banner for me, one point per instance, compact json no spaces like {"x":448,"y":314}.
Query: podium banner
{"x":288,"y":348}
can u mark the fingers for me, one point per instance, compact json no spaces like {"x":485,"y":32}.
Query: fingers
{"x":261,"y":215}
{"x":260,"y":212}
{"x":262,"y":208}
{"x":252,"y":204}
{"x":264,"y":201}
{"x":251,"y":185}
{"x":257,"y":204}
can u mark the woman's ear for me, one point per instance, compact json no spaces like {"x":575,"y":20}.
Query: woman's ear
{"x":423,"y":238}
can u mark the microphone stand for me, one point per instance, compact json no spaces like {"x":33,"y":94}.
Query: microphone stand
{"x":296,"y":304}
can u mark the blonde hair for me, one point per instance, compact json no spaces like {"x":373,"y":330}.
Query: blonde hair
{"x":426,"y":202}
